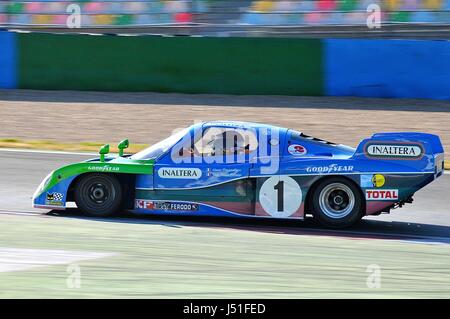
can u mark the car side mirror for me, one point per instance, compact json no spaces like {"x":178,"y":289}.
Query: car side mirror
{"x":103,"y":151}
{"x":123,"y":145}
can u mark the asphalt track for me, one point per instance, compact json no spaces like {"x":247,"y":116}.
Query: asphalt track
{"x":428,"y":215}
{"x":182,"y":257}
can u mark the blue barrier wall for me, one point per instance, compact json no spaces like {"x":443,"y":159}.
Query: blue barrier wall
{"x":8,"y":67}
{"x":387,"y":68}
{"x":346,"y":67}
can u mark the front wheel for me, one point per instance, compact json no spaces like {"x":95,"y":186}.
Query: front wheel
{"x":98,"y":195}
{"x":337,"y":203}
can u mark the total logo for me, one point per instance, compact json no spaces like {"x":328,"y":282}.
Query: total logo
{"x":297,"y":150}
{"x":173,"y":172}
{"x":382,"y":194}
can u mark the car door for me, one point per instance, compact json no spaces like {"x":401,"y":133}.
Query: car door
{"x":217,"y":156}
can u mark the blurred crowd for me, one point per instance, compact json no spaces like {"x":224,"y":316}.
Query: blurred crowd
{"x":345,"y":12}
{"x":223,"y":12}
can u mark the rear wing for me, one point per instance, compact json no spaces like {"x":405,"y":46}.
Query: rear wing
{"x":404,"y":151}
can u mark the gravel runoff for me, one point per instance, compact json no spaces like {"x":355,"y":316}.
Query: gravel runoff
{"x":71,"y":116}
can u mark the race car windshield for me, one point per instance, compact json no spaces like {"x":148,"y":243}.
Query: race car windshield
{"x":299,"y":136}
{"x":161,"y":147}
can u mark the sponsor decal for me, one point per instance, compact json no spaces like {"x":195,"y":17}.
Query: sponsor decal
{"x":382,"y":194}
{"x":173,"y":172}
{"x":224,"y":172}
{"x":297,"y":150}
{"x":398,"y":150}
{"x":332,"y":168}
{"x":280,"y":196}
{"x":103,"y":168}
{"x":166,"y":206}
{"x":55,"y":199}
{"x":378,"y":180}
{"x":366,"y":180}
{"x":372,"y":180}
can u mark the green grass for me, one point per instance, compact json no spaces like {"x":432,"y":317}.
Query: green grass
{"x":9,"y":140}
{"x":160,"y":259}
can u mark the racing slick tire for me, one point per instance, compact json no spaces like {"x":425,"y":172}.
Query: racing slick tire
{"x":337,"y":203}
{"x":98,"y":195}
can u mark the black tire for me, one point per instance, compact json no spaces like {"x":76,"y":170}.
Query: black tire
{"x":98,"y":195}
{"x":336,"y":203}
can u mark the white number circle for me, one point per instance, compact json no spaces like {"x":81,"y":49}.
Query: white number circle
{"x":280,"y":196}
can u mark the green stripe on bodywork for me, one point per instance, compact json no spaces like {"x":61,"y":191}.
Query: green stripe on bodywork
{"x":116,"y":166}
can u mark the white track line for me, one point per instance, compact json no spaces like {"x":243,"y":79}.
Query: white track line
{"x":20,"y":212}
{"x":19,"y":259}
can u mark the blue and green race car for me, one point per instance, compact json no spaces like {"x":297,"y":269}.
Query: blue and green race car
{"x":250,"y":170}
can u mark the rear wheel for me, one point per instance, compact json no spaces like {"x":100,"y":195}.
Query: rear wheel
{"x":337,"y":203}
{"x":98,"y":194}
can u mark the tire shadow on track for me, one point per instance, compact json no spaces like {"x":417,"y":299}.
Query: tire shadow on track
{"x":365,"y":229}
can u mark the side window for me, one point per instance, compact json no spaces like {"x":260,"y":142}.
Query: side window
{"x":217,"y":141}
{"x":220,"y":141}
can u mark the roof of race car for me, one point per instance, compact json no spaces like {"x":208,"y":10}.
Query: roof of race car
{"x":253,"y":125}
{"x":238,"y":124}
